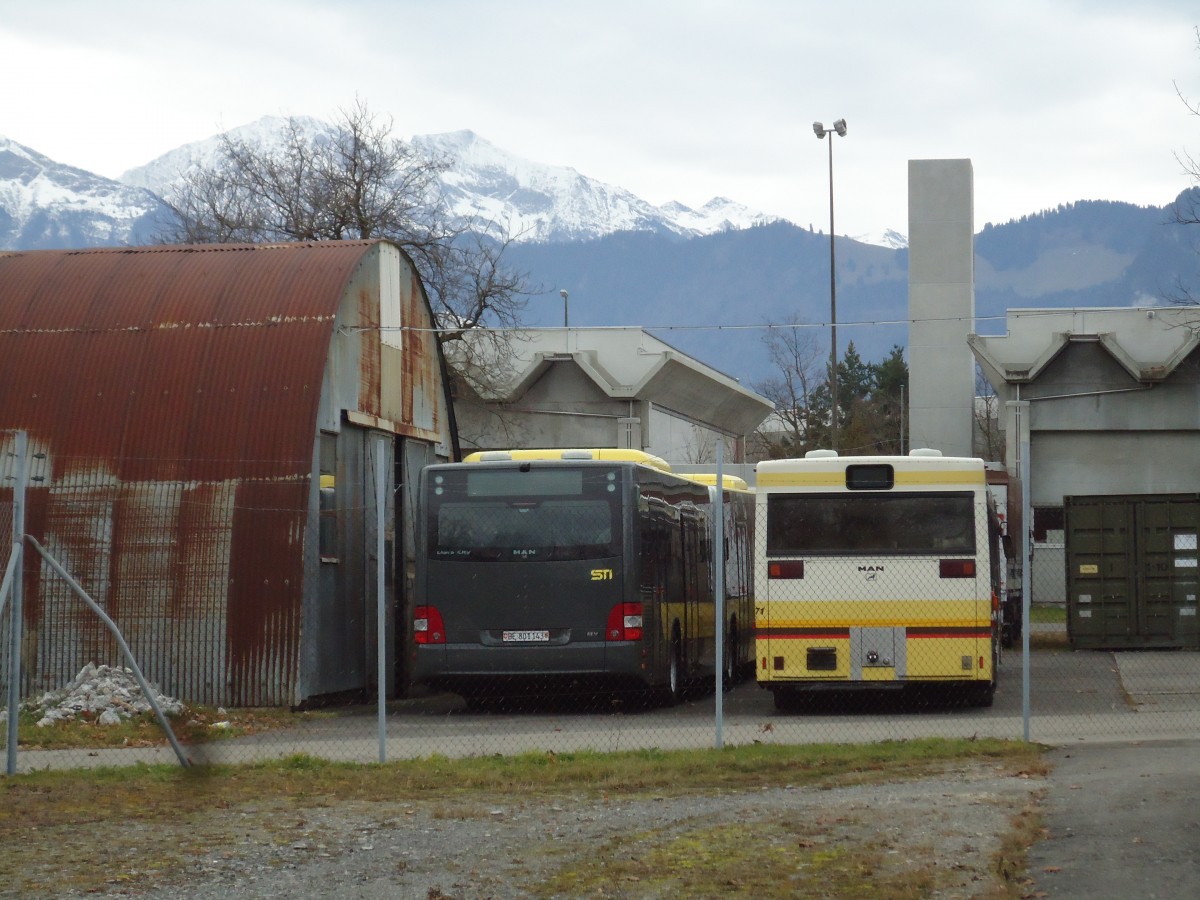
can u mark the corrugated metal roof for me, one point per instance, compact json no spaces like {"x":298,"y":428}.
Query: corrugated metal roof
{"x":99,"y":348}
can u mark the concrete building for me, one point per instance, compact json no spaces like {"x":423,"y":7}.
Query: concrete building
{"x":1113,"y":408}
{"x":207,"y":424}
{"x":941,"y":304}
{"x":605,"y":387}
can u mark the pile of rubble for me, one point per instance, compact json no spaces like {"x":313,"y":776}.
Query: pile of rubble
{"x":106,"y":695}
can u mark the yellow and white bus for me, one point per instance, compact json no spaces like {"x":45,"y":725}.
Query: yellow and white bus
{"x":876,"y":572}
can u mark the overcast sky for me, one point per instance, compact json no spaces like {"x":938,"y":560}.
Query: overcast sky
{"x":1053,"y":100}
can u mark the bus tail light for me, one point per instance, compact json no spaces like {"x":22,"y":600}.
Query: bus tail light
{"x":624,"y":622}
{"x":428,"y":627}
{"x":792,"y":568}
{"x":956,"y":568}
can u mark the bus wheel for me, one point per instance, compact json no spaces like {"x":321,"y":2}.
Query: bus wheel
{"x":730,"y":666}
{"x":675,"y":670}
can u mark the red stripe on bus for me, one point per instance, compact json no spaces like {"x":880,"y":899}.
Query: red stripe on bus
{"x":804,"y":635}
{"x":981,"y":635}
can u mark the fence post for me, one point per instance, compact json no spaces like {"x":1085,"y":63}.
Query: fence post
{"x":381,"y":596}
{"x":1020,"y":441}
{"x":719,"y":590}
{"x":16,"y":613}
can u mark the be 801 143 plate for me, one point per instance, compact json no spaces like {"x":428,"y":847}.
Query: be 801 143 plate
{"x":526,"y":636}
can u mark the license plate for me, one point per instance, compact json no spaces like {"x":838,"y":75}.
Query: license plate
{"x":526,"y":636}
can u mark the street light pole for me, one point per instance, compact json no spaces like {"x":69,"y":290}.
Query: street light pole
{"x":838,"y":128}
{"x":566,"y":309}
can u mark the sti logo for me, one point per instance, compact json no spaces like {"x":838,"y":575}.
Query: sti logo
{"x":602,"y":574}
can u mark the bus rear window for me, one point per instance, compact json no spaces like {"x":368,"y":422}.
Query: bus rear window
{"x":530,"y":483}
{"x":874,"y":524}
{"x":523,"y":514}
{"x":875,"y":477}
{"x":553,"y":529}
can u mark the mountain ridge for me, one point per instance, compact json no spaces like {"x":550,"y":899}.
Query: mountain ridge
{"x":712,"y":280}
{"x":509,"y":195}
{"x":46,"y":204}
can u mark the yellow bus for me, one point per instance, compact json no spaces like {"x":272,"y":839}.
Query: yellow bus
{"x":876,"y":573}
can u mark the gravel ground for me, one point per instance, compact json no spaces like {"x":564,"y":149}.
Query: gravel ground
{"x":507,"y":847}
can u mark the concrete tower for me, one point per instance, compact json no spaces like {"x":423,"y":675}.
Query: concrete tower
{"x":941,"y":304}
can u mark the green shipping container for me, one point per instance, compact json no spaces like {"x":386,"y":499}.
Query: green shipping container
{"x":1132,"y":571}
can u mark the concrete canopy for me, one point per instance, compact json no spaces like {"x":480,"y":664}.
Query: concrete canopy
{"x":628,"y":364}
{"x":1149,"y":343}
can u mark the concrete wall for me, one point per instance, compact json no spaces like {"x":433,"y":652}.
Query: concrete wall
{"x":941,"y":301}
{"x":609,"y":387}
{"x":681,"y":441}
{"x":1114,"y":398}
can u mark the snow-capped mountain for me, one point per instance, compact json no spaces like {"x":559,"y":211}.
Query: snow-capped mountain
{"x":46,"y":205}
{"x":537,"y":202}
{"x":890,"y":238}
{"x":525,"y":200}
{"x":161,"y":174}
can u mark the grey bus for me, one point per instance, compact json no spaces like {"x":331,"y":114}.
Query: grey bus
{"x":541,"y":571}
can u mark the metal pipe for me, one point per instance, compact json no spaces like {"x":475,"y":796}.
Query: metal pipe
{"x":1132,"y":390}
{"x":838,"y":128}
{"x":833,"y":357}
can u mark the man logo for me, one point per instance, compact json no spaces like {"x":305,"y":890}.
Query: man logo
{"x":602,"y":574}
{"x":871,"y":573}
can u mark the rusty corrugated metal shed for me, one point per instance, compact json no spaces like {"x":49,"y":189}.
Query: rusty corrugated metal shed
{"x":100,"y":348}
{"x":175,"y":392}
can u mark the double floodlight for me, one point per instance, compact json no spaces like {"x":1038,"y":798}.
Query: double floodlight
{"x":839,"y":127}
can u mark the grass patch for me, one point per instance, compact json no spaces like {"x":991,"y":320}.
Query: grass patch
{"x":1043,"y":614}
{"x":161,"y":818}
{"x":774,"y":858}
{"x":199,"y":725}
{"x":60,"y":797}
{"x":1049,"y":641}
{"x":1010,"y":862}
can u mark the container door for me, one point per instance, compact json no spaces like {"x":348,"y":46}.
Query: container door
{"x":1166,"y":613}
{"x":1100,"y":584}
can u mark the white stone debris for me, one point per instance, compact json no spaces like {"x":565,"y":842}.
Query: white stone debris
{"x":107,"y":694}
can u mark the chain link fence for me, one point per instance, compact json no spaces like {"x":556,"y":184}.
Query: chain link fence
{"x":586,"y":629}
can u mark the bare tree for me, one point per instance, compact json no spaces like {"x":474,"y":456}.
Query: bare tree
{"x":702,"y":448}
{"x":1191,"y":166}
{"x":1187,"y":207}
{"x":800,"y":366}
{"x":354,"y":180}
{"x":989,"y":435}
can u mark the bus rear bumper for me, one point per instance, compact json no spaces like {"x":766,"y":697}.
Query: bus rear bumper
{"x":472,"y":667}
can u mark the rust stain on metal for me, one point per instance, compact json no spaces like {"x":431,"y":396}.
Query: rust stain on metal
{"x":419,"y":357}
{"x":176,"y":390}
{"x":265,"y":589}
{"x":370,"y":349}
